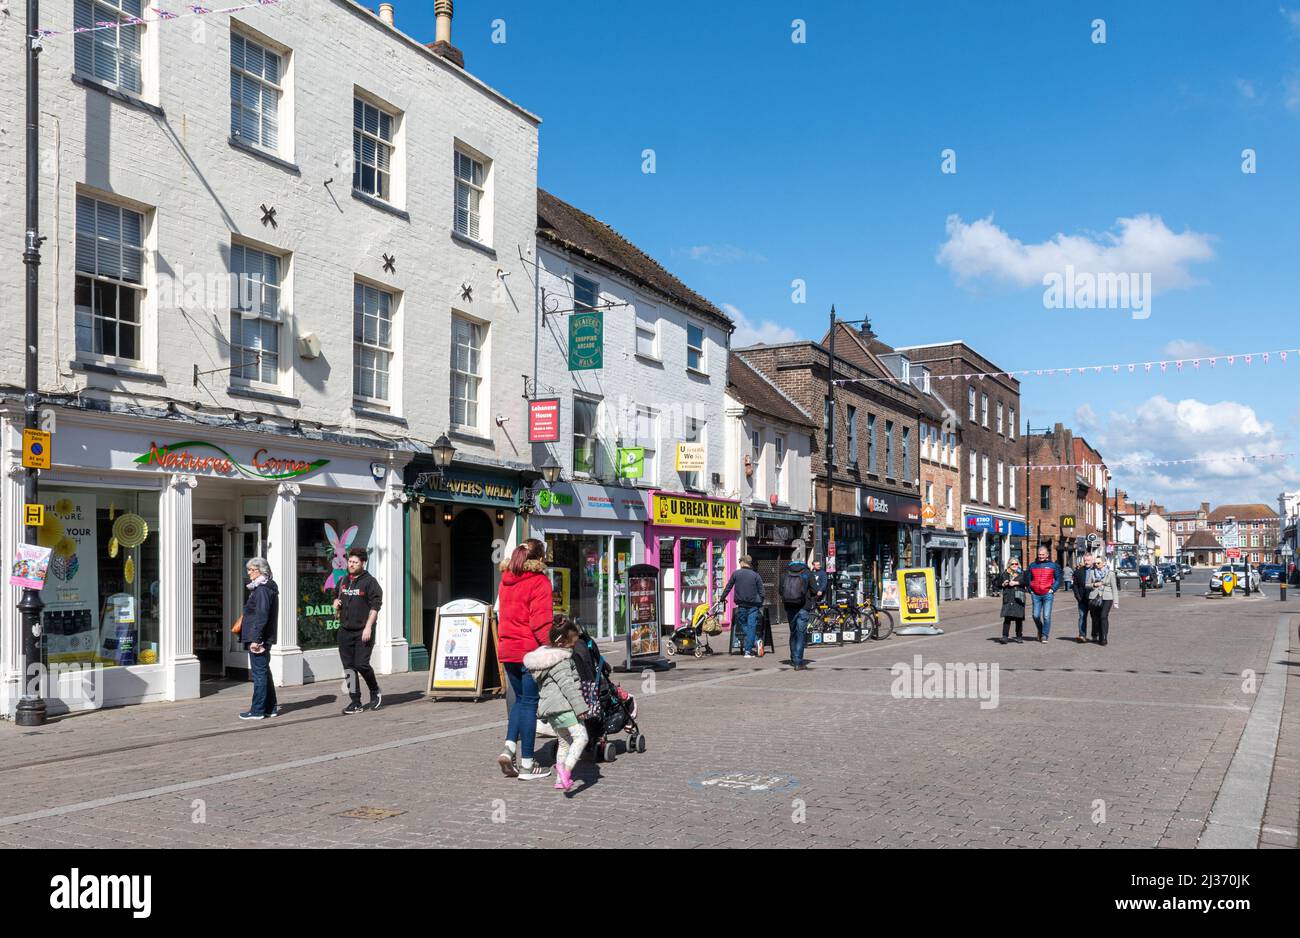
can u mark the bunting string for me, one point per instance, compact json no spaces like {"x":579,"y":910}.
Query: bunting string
{"x":1144,"y":463}
{"x":1179,"y":364}
{"x":157,"y":15}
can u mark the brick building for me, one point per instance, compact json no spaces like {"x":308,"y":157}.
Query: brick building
{"x":992,"y":503}
{"x":876,"y":506}
{"x":1257,"y":525}
{"x":1074,"y":493}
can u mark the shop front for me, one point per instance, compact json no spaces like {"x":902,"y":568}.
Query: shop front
{"x":773,"y":539}
{"x":991,"y":541}
{"x":150,"y":524}
{"x":462,"y":522}
{"x":593,"y":533}
{"x":890,"y":535}
{"x":946,"y":553}
{"x":692,"y":540}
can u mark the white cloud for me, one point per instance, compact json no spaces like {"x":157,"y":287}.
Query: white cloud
{"x":1143,"y":244}
{"x":1292,"y":17}
{"x":1215,"y":434}
{"x":1291,"y":92}
{"x":1183,"y":348}
{"x":1085,"y":418}
{"x":719,"y":254}
{"x":766,"y":332}
{"x":1247,"y":89}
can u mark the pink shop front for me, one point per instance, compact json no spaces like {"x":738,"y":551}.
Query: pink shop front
{"x":692,"y":539}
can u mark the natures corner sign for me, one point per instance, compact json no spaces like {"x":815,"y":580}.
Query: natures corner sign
{"x":178,"y":457}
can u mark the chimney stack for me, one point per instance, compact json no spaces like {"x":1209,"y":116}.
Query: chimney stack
{"x":442,"y":34}
{"x":386,"y":14}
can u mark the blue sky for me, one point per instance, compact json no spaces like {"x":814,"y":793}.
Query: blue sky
{"x":821,"y":161}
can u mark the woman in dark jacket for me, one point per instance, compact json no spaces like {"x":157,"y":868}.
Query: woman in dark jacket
{"x":257,"y":630}
{"x":525,"y":611}
{"x":1013,"y":584}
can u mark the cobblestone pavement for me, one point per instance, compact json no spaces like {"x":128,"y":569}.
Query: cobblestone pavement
{"x":1121,"y":746}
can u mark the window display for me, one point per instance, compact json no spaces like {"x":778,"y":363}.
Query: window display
{"x":325,"y":532}
{"x":695,"y":575}
{"x":101,"y":594}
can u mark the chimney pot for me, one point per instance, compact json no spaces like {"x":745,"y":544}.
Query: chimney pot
{"x":386,"y":13}
{"x":442,"y":34}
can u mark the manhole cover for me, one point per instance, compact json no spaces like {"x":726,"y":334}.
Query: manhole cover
{"x":371,"y":814}
{"x":745,"y":782}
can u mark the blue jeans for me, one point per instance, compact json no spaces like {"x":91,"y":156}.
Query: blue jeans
{"x":1043,"y":612}
{"x":264,"y":702}
{"x":798,"y":618}
{"x":1083,"y":620}
{"x":522,"y":724}
{"x":748,"y":619}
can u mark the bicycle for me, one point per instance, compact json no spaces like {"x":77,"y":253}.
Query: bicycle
{"x":877,"y":623}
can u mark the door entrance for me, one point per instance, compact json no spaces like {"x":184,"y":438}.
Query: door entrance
{"x":471,"y":559}
{"x":208,"y":561}
{"x":248,"y":544}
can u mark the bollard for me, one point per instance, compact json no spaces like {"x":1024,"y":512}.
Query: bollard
{"x":1142,"y":584}
{"x":1282,"y":584}
{"x":1178,"y":587}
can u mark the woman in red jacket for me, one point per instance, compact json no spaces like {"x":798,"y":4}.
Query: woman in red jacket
{"x":524,"y":615}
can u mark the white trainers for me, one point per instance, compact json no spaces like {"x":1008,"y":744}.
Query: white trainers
{"x":533,"y":771}
{"x":507,"y":762}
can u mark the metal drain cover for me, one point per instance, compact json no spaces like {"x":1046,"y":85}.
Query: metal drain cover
{"x":371,"y":814}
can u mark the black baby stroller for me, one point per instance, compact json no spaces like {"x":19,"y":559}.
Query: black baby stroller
{"x":610,"y":709}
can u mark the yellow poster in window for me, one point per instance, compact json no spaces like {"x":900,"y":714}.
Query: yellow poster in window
{"x":560,"y":591}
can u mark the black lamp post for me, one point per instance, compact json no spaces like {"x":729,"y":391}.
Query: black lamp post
{"x":550,"y":469}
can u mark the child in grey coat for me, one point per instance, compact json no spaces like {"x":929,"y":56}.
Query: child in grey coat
{"x":561,"y":703}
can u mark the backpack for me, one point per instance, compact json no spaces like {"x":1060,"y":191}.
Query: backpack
{"x":794,"y":589}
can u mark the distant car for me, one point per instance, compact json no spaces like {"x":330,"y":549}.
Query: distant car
{"x":1272,"y":572}
{"x":1171,"y":571}
{"x":1185,"y":569}
{"x":1216,"y":578}
{"x":1126,"y":573}
{"x":1151,"y":576}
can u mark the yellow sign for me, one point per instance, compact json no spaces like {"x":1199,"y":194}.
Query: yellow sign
{"x":1229,"y":583}
{"x":919,"y":601}
{"x":34,"y":515}
{"x":559,"y":591}
{"x":36,"y":449}
{"x":690,"y":457}
{"x":681,"y":511}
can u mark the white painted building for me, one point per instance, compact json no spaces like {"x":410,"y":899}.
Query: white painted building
{"x":657,"y":394}
{"x":769,"y":470}
{"x":284,"y":251}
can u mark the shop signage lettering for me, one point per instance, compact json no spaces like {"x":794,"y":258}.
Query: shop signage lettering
{"x":471,"y":488}
{"x":586,"y":341}
{"x":180,"y":457}
{"x":544,"y":421}
{"x":696,"y":512}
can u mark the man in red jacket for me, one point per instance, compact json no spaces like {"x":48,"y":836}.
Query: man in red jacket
{"x":524,"y":616}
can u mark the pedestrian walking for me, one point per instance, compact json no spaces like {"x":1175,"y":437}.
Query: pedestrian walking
{"x":1080,"y":589}
{"x":995,"y":576}
{"x":257,"y":630}
{"x":524,"y":618}
{"x":357,"y":605}
{"x":1014,"y":585}
{"x":1103,"y":596}
{"x":749,"y":604}
{"x":560,"y":700}
{"x":797,"y":591}
{"x":1044,"y":578}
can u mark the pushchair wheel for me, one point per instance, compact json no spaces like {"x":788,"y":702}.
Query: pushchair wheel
{"x":699,"y":651}
{"x":611,"y":752}
{"x":640,"y":742}
{"x":670,"y":648}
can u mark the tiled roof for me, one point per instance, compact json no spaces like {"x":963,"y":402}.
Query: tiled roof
{"x":1202,"y":540}
{"x":576,"y":231}
{"x":755,"y":391}
{"x":1256,"y":512}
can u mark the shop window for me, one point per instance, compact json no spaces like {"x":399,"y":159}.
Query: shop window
{"x":321,"y":565}
{"x":695,"y":575}
{"x":580,"y":580}
{"x":101,"y":590}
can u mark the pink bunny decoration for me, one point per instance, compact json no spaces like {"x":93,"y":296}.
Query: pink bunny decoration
{"x":340,"y":561}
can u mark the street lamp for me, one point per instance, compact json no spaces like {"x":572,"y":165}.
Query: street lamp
{"x":550,"y":469}
{"x":443,"y":452}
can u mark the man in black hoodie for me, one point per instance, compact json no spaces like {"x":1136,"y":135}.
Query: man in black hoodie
{"x":749,"y":603}
{"x":797,"y":592}
{"x":357,"y":605}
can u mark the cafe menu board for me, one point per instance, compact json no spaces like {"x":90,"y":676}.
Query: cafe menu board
{"x":643,"y":611}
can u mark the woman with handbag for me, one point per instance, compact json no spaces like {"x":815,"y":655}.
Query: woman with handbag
{"x":1014,"y":585}
{"x":1103,"y":596}
{"x":257,"y":630}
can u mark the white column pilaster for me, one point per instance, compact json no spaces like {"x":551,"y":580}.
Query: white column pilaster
{"x":389,"y":565}
{"x":11,"y":513}
{"x":282,"y":555}
{"x":176,"y":586}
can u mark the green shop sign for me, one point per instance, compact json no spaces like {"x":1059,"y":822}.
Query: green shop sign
{"x":546,"y":498}
{"x":586,"y":341}
{"x":179,"y":457}
{"x":631,"y":462}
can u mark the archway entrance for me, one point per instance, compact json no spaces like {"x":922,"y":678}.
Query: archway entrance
{"x":471,"y":555}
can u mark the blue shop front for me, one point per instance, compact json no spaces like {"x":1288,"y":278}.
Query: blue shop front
{"x":992,"y":540}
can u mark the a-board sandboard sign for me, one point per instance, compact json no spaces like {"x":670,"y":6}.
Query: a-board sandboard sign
{"x":920,"y":600}
{"x":643,"y":632}
{"x":464,"y":662}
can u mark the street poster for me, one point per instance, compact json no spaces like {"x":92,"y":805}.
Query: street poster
{"x":464,"y":653}
{"x":920,"y":599}
{"x":643,"y":611}
{"x":30,"y":566}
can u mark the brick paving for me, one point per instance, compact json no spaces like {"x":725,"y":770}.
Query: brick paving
{"x":1121,"y":746}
